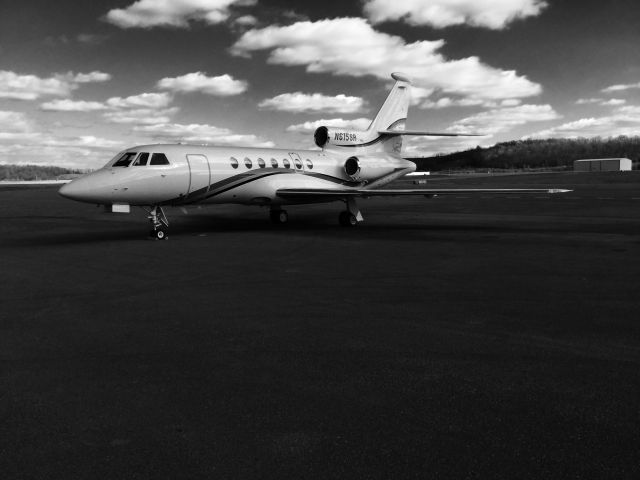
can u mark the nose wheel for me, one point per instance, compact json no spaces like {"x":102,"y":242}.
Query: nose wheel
{"x":159,"y":224}
{"x":159,"y":234}
{"x":347,"y":219}
{"x":279,"y":217}
{"x":351,"y":216}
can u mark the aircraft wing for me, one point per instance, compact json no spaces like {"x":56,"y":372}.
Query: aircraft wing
{"x":317,"y":193}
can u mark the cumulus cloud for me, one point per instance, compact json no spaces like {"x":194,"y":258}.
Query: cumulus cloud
{"x":21,"y":141}
{"x":91,"y":39}
{"x":14,"y":122}
{"x":503,"y":119}
{"x":67,"y":105}
{"x":222,"y":85}
{"x":588,"y":101}
{"x":621,"y":87}
{"x":143,"y":100}
{"x":613,"y":102}
{"x":173,"y":13}
{"x":93,"y":77}
{"x":72,"y":152}
{"x":246,"y":21}
{"x":315,"y":102}
{"x":420,"y":95}
{"x":201,"y":133}
{"x":449,"y":102}
{"x":145,"y":108}
{"x":493,"y":14}
{"x":624,"y":121}
{"x":309,"y":127}
{"x":350,"y":46}
{"x":32,"y":87}
{"x":85,"y":141}
{"x":84,"y":39}
{"x":141,"y":116}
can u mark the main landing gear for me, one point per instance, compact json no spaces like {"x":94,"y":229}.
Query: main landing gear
{"x":279,"y":217}
{"x":351,"y":216}
{"x":159,"y":224}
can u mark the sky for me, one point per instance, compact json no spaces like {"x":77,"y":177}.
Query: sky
{"x":80,"y":81}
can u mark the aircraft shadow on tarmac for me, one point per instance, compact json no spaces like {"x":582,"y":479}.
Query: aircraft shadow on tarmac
{"x":315,"y":225}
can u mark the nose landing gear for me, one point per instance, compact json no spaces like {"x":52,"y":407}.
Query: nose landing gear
{"x":351,"y":216}
{"x":159,"y":224}
{"x":279,"y":217}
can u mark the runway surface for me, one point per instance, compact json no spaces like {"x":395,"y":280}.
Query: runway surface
{"x":454,"y":337}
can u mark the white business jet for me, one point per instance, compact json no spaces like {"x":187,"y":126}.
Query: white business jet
{"x":349,"y":164}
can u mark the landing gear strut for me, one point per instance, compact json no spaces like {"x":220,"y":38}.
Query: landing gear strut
{"x":351,"y":216}
{"x":159,"y":224}
{"x":279,"y":217}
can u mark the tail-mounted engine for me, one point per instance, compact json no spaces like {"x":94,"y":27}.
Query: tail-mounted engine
{"x":325,"y":137}
{"x":365,"y":168}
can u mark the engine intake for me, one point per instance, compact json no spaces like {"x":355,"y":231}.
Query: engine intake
{"x":326,"y":136}
{"x":367,"y":168}
{"x":352,"y":168}
{"x":321,"y":136}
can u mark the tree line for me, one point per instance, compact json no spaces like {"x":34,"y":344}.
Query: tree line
{"x":33,"y":172}
{"x":556,"y":153}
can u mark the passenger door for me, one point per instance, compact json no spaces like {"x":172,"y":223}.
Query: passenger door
{"x":200,"y":174}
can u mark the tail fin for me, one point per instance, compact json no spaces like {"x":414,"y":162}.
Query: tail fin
{"x":393,"y":113}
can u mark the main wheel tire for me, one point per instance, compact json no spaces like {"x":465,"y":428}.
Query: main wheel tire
{"x":347,"y":219}
{"x":160,"y":234}
{"x":279,"y":217}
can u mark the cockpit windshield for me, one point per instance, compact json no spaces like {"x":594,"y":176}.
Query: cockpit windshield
{"x":125,"y":159}
{"x":142,"y":159}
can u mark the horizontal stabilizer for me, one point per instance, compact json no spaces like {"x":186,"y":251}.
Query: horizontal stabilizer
{"x":315,"y":193}
{"x":428,"y":134}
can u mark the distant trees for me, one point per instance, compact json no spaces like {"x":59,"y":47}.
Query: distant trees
{"x":33,"y":172}
{"x":530,"y":154}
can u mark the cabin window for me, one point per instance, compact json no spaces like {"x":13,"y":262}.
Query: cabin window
{"x":141,"y":160}
{"x":261,"y":163}
{"x":286,"y":163}
{"x":297,"y":163}
{"x":309,"y":164}
{"x":125,"y":159}
{"x":159,"y":159}
{"x":234,"y":162}
{"x":274,"y":163}
{"x":248,"y":163}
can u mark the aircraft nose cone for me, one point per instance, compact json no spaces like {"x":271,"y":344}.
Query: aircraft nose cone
{"x":78,"y":189}
{"x":69,"y":190}
{"x":65,"y":191}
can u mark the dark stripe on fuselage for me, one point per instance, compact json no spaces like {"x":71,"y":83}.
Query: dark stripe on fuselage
{"x":232,"y":182}
{"x":247,"y":177}
{"x":329,"y":178}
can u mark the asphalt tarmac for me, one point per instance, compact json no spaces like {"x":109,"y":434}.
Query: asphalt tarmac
{"x":454,"y":337}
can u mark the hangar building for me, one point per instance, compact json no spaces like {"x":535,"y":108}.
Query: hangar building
{"x":602,"y":165}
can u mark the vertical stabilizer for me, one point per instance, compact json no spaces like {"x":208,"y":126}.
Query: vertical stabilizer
{"x":393,"y":113}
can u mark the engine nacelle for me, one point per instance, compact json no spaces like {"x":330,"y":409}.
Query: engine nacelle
{"x":325,"y":136}
{"x":367,"y":167}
